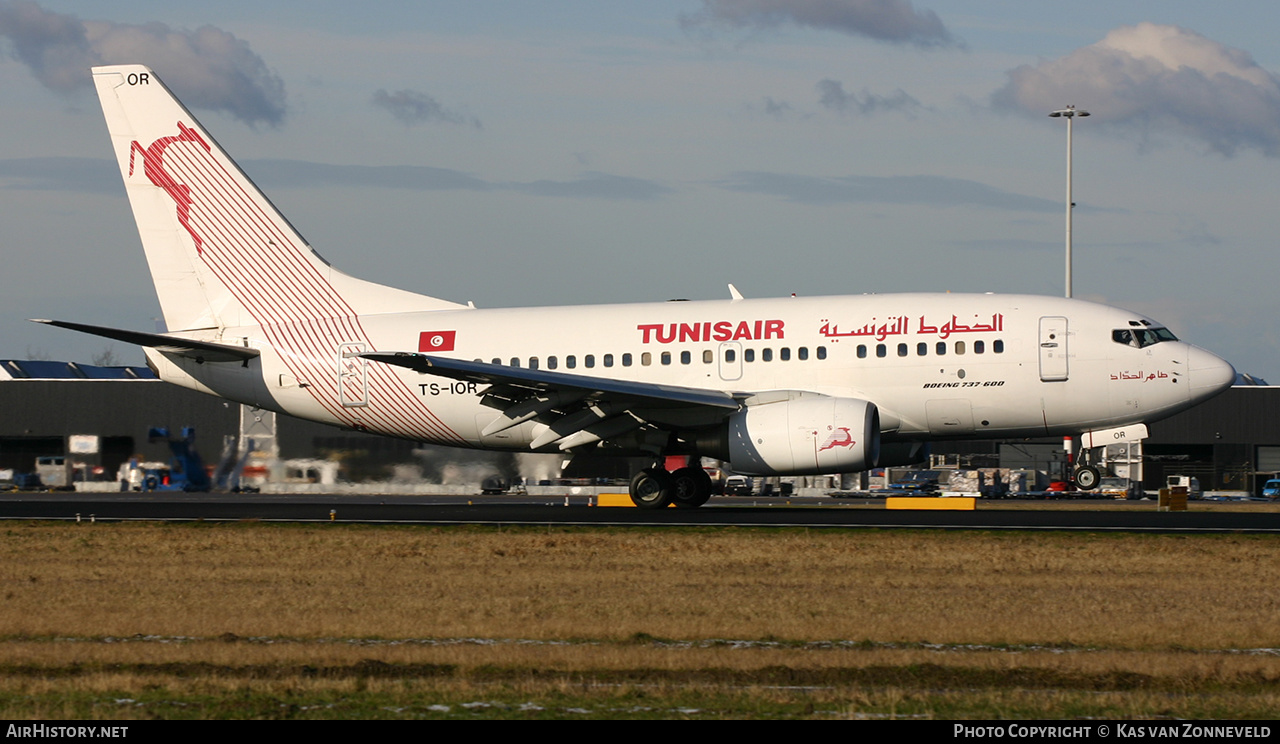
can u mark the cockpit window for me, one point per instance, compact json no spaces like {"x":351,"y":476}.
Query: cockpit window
{"x":1140,"y":338}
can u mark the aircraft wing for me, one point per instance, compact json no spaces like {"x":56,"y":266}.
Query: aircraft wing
{"x":578,"y":409}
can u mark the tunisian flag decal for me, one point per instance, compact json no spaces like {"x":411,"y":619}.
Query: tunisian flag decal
{"x":436,"y":340}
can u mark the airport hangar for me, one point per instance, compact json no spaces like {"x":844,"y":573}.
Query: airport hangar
{"x":1231,"y":442}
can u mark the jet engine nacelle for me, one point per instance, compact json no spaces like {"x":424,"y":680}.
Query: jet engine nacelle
{"x":804,"y":436}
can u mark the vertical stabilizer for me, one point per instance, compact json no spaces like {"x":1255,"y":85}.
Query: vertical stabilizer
{"x":220,"y":253}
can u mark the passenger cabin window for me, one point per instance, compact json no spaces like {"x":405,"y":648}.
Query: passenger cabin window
{"x":881,"y":351}
{"x":922,"y":349}
{"x":570,"y":362}
{"x":515,"y":362}
{"x":766,"y":355}
{"x":666,"y":358}
{"x":822,"y":352}
{"x":707,"y":356}
{"x":646,"y":359}
{"x":552,"y":363}
{"x":533,"y":362}
{"x":804,"y":352}
{"x":959,"y":347}
{"x":626,"y":360}
{"x":997,"y":346}
{"x":942,"y":348}
{"x":862,"y":351}
{"x":979,"y":347}
{"x":608,"y":360}
{"x":729,"y":355}
{"x":902,"y":349}
{"x":748,"y":355}
{"x":686,"y":357}
{"x":784,"y":354}
{"x":589,"y":361}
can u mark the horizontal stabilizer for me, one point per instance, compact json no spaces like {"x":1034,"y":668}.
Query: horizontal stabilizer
{"x":201,"y":351}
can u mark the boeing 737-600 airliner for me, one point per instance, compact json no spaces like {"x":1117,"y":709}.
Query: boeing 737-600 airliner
{"x":772,"y":386}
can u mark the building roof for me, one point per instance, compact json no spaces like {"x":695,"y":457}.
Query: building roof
{"x":31,"y":369}
{"x":1243,"y":379}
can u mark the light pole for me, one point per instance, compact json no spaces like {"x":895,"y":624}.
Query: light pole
{"x":1070,"y":112}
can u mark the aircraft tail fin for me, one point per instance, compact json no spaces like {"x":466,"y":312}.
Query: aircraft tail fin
{"x":220,"y":253}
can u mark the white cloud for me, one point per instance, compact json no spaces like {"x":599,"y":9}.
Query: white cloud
{"x":1156,"y":79}
{"x":834,"y":97}
{"x":100,"y":176}
{"x":935,"y":191}
{"x":412,"y":107}
{"x":208,"y":68}
{"x":894,"y":21}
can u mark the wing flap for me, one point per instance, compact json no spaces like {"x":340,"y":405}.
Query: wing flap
{"x":578,"y":411}
{"x":527,"y":410}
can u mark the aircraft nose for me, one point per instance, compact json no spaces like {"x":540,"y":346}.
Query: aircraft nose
{"x":1209,"y":373}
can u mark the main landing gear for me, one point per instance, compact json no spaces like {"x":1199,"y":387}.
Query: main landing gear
{"x":655,"y":488}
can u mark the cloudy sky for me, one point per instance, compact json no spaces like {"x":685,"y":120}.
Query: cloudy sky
{"x":515,"y":153}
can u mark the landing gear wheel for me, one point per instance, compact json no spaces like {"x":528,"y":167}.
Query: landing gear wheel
{"x":1086,"y":478}
{"x":691,"y":487}
{"x":652,"y":489}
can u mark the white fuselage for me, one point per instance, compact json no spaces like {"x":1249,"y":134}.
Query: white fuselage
{"x":936,"y":365}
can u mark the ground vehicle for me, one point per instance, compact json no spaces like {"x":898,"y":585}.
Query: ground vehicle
{"x":1271,"y":489}
{"x":738,"y":485}
{"x":54,"y":471}
{"x":1118,"y":488}
{"x":185,"y":471}
{"x":494,"y":485}
{"x":1185,"y":481}
{"x":920,"y":481}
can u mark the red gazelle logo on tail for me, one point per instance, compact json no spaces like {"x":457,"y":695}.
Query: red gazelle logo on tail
{"x":153,"y":166}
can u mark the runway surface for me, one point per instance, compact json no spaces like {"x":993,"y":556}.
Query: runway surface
{"x":830,"y":513}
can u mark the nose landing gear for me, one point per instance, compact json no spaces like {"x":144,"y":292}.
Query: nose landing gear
{"x":1086,"y":478}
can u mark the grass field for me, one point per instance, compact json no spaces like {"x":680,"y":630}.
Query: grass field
{"x":342,"y":621}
